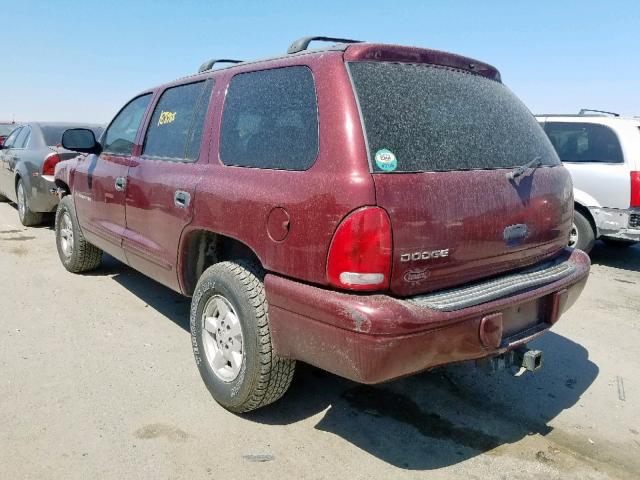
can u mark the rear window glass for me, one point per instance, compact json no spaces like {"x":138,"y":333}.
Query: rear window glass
{"x":584,"y":142}
{"x":270,"y":120}
{"x":53,"y":133}
{"x":422,"y":118}
{"x":175,"y":130}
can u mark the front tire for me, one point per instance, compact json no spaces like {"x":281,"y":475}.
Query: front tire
{"x":582,"y":234}
{"x":76,"y":254}
{"x":27,"y":217}
{"x":231,"y":339}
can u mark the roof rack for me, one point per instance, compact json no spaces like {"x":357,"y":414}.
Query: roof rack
{"x":208,"y":65}
{"x":302,"y":44}
{"x":584,"y":110}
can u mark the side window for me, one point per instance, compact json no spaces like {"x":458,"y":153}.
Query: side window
{"x":270,"y":120}
{"x":175,"y":130}
{"x":11,"y":139}
{"x":119,"y":137}
{"x":584,"y":142}
{"x":22,"y":138}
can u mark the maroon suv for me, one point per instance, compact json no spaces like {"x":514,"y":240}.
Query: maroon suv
{"x":373,"y":210}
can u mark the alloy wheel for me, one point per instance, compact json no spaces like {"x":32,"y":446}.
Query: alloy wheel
{"x":222,"y":338}
{"x":22,"y":200}
{"x":66,"y":235}
{"x":573,"y":235}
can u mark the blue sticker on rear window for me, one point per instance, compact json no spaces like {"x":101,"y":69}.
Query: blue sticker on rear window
{"x":386,"y":160}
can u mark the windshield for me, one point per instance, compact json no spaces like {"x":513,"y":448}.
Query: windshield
{"x":6,"y":129}
{"x":421,"y":118}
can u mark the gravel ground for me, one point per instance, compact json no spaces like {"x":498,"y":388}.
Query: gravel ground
{"x":97,"y":380}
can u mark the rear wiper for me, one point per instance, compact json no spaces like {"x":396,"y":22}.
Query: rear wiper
{"x":516,"y":172}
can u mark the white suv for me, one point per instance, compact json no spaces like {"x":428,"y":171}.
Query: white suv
{"x":602,"y":152}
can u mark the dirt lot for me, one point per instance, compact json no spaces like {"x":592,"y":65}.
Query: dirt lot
{"x":97,"y":380}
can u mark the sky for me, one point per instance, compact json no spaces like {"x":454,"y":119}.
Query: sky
{"x":82,"y":60}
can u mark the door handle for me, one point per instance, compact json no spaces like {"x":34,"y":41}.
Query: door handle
{"x":121,"y":182}
{"x":181,"y":199}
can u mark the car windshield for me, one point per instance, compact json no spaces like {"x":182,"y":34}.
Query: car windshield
{"x":421,"y":118}
{"x":7,"y":128}
{"x":53,"y":133}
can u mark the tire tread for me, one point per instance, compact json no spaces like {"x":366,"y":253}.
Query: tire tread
{"x":85,"y":256}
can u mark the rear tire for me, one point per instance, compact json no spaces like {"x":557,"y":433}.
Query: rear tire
{"x":618,"y":242}
{"x":231,"y":339}
{"x":27,"y":217}
{"x":583,"y":235}
{"x":76,"y":254}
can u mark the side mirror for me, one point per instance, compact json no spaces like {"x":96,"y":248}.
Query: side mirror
{"x":81,"y":140}
{"x":2,"y":139}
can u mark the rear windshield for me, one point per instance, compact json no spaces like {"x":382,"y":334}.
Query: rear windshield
{"x":53,"y":133}
{"x":421,"y":118}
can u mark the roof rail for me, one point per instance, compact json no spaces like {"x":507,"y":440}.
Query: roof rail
{"x":303,"y":43}
{"x":584,"y":110}
{"x":208,"y":65}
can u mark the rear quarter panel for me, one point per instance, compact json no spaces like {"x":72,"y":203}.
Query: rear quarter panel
{"x":237,"y":201}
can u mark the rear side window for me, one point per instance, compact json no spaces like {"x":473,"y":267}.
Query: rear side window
{"x":121,"y":134}
{"x":23,"y":138}
{"x":270,"y":120}
{"x":176,"y":126}
{"x":584,"y":142}
{"x":421,"y":118}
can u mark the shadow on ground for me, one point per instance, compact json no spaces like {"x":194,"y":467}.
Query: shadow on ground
{"x":48,"y":219}
{"x":426,"y":421}
{"x":625,"y":258}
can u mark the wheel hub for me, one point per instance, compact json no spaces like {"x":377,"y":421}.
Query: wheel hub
{"x":66,"y":235}
{"x":222,"y":338}
{"x":22,"y":201}
{"x":573,"y":235}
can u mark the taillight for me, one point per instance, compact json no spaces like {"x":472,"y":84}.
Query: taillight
{"x":50,"y":162}
{"x":635,"y":189}
{"x":360,"y":252}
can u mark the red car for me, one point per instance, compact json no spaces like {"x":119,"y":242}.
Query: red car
{"x":373,"y":210}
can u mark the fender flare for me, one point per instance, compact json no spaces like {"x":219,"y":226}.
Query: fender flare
{"x":584,"y":199}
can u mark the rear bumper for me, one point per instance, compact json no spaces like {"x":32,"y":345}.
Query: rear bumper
{"x":41,"y":199}
{"x":374,"y":338}
{"x":616,"y":223}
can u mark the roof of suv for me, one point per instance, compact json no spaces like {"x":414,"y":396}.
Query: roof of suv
{"x":356,"y":50}
{"x":598,"y":116}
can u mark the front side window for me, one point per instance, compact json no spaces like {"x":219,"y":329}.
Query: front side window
{"x":584,"y":142}
{"x":175,"y":130}
{"x":121,"y":134}
{"x":421,"y":118}
{"x":270,"y":120}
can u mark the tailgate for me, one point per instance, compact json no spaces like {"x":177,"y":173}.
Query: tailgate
{"x":450,"y":228}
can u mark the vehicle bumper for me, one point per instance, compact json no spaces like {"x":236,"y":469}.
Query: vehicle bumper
{"x":374,"y":338}
{"x":41,"y":198}
{"x":617,"y":223}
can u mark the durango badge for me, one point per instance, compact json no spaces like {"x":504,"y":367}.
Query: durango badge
{"x":416,"y":275}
